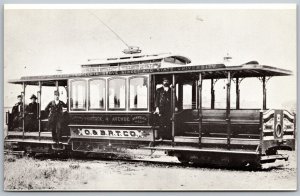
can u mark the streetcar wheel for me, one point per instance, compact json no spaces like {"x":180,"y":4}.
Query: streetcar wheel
{"x":183,"y":160}
{"x":254,"y":165}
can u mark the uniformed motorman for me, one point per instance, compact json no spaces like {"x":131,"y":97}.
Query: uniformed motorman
{"x":31,"y":118}
{"x":55,"y":110}
{"x":163,"y":108}
{"x":17,"y":112}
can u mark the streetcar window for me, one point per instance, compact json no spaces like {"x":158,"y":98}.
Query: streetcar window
{"x":97,"y":91}
{"x":78,"y":95}
{"x":117,"y":93}
{"x":138,"y":93}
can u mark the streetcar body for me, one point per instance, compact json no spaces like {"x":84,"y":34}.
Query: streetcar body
{"x":111,"y":108}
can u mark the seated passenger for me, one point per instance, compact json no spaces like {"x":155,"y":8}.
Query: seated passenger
{"x":17,"y":112}
{"x":31,"y":118}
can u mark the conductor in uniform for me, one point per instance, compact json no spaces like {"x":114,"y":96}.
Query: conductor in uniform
{"x":55,"y":110}
{"x":31,"y":120}
{"x":164,"y":109}
{"x":17,"y":112}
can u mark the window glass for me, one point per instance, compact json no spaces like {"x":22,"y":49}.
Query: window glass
{"x":117,"y":93}
{"x":138,"y":95}
{"x":97,"y":94}
{"x":78,"y":95}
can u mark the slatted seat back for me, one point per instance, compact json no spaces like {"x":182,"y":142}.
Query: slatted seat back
{"x":244,"y":123}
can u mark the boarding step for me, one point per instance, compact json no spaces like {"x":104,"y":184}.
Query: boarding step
{"x":195,"y":149}
{"x":216,"y":140}
{"x":34,"y":141}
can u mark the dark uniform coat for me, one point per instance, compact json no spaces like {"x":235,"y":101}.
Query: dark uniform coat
{"x":31,"y":118}
{"x":163,"y":102}
{"x":55,"y":118}
{"x":17,"y":111}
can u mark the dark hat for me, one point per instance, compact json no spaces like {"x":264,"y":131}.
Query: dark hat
{"x":19,"y":96}
{"x":33,"y":97}
{"x":165,"y":78}
{"x":56,"y":93}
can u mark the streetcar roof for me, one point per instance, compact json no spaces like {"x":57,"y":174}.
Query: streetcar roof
{"x":216,"y":71}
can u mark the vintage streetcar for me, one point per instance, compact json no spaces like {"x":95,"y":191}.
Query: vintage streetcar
{"x":111,"y":108}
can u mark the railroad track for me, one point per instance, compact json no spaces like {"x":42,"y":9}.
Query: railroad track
{"x":125,"y":160}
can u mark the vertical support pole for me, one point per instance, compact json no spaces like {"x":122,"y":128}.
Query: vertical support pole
{"x":228,"y":110}
{"x":180,"y":96}
{"x":261,"y":129}
{"x":39,"y":107}
{"x":197,"y":94}
{"x":295,"y":125}
{"x":152,"y":105}
{"x":23,"y":113}
{"x":150,"y":93}
{"x":200,"y":108}
{"x":173,"y":106}
{"x":212,"y":91}
{"x":237,"y":89}
{"x":264,"y":93}
{"x":56,"y":85}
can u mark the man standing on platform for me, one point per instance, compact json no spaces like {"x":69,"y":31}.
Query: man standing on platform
{"x":31,"y":120}
{"x":55,"y":110}
{"x":164,"y":109}
{"x":17,"y":112}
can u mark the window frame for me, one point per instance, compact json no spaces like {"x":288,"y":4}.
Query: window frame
{"x":105,"y":93}
{"x":107,"y":90}
{"x":128,"y":96}
{"x":70,"y":94}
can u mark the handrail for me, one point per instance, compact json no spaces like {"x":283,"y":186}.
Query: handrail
{"x":7,"y":116}
{"x":261,"y":129}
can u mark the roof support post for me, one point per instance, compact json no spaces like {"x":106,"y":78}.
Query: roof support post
{"x":23,"y":112}
{"x":237,"y":90}
{"x":39,"y":94}
{"x":152,"y":101}
{"x":173,"y":106}
{"x":295,"y":125}
{"x":200,"y":108}
{"x":228,"y":110}
{"x":180,"y":95}
{"x":264,"y":93}
{"x":212,"y":92}
{"x":56,"y":85}
{"x":261,"y":128}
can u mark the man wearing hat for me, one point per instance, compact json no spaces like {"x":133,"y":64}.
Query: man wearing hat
{"x":31,"y":119}
{"x":17,"y":111}
{"x":54,"y":108}
{"x":163,"y":109}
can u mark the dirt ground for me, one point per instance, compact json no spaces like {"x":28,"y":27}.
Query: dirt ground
{"x":76,"y":174}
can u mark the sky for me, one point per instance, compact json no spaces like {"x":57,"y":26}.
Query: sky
{"x":38,"y":41}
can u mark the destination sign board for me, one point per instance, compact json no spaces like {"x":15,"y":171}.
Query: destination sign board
{"x":101,"y":119}
{"x":127,"y":72}
{"x":137,"y":66}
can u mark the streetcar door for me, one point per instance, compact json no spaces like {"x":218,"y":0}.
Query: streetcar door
{"x":185,"y":96}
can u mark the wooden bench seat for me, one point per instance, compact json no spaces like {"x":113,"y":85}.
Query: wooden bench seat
{"x":244,"y":123}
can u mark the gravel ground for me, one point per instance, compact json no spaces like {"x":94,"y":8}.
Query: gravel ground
{"x":44,"y":174}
